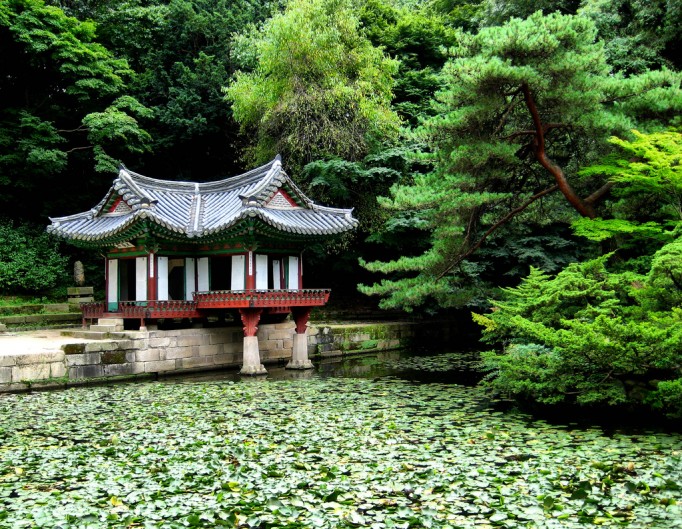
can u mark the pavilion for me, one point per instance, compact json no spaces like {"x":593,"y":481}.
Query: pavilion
{"x":189,"y":250}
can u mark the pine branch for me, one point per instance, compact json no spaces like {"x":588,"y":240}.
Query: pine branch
{"x":539,"y":149}
{"x":495,"y":226}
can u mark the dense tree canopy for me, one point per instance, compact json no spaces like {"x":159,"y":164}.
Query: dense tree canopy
{"x":523,"y":106}
{"x":319,"y":87}
{"x":65,"y":110}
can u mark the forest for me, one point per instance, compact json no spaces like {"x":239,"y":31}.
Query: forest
{"x":518,"y":163}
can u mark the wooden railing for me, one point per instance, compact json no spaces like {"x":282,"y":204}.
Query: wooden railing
{"x":158,"y":309}
{"x":261,"y":298}
{"x":275,"y":300}
{"x":92,"y":309}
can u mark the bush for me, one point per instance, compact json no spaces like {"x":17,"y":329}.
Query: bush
{"x":30,"y":262}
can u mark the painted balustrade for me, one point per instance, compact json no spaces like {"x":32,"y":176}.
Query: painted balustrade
{"x":260,"y":298}
{"x":275,"y":300}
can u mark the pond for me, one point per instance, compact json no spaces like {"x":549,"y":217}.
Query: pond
{"x":392,"y":442}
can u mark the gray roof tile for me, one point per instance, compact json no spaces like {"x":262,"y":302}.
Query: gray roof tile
{"x":198,"y":210}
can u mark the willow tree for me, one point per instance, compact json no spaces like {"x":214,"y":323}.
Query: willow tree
{"x":318,"y":86}
{"x":524,"y":105}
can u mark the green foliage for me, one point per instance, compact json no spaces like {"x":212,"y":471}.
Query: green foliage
{"x":668,"y":396}
{"x":30,"y":261}
{"x":351,"y":452}
{"x":588,"y":334}
{"x":63,"y":110}
{"x":647,"y":173}
{"x":638,"y":35}
{"x":486,"y":172}
{"x":183,"y":52}
{"x":417,"y":37}
{"x":319,"y":88}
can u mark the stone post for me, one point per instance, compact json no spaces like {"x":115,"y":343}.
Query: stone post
{"x":251,"y":359}
{"x":299,"y":354}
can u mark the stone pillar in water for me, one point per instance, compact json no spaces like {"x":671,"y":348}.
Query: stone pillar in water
{"x":299,"y":355}
{"x":251,"y":358}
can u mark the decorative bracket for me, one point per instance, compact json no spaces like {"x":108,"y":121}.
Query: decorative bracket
{"x":301,"y":317}
{"x":250,"y":319}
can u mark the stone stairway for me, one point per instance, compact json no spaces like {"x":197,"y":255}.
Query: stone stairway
{"x":104,"y":329}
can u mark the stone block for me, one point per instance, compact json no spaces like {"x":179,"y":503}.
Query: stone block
{"x":161,"y":342}
{"x":113,"y":357}
{"x":57,"y":307}
{"x":279,"y":335}
{"x":57,"y":369}
{"x":108,"y":346}
{"x":122,"y":345}
{"x":83,"y":359}
{"x":220,"y":338}
{"x":176,"y":352}
{"x":130,"y":356}
{"x":149,"y":355}
{"x":30,"y":372}
{"x":313,"y":331}
{"x":5,"y":375}
{"x":185,"y":341}
{"x":75,"y":348}
{"x":114,"y":370}
{"x":190,"y":363}
{"x":270,"y":345}
{"x":225,"y":359}
{"x":91,"y":371}
{"x":159,"y":366}
{"x":284,"y":325}
{"x":209,"y":350}
{"x":235,"y":347}
{"x":79,"y":291}
{"x":287,"y":344}
{"x":137,"y":344}
{"x":8,"y":360}
{"x":39,"y":358}
{"x":14,"y":320}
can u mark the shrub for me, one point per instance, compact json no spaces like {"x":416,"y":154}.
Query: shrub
{"x":30,"y":261}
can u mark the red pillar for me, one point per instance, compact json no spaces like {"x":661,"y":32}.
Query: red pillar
{"x":250,"y":272}
{"x":152,"y":285}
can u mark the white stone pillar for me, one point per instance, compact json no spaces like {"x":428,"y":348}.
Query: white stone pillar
{"x":299,"y":355}
{"x":251,"y":360}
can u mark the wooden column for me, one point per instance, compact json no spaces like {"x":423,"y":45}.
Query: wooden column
{"x":299,"y":354}
{"x":152,"y":285}
{"x":250,"y":272}
{"x":251,"y":364}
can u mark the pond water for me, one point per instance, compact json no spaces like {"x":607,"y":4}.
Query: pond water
{"x":394,"y":441}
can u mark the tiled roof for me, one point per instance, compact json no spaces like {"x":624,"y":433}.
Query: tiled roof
{"x":200,"y":210}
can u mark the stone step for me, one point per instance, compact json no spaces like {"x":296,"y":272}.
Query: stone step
{"x":87,"y":335}
{"x":36,"y":319}
{"x":110,"y":321}
{"x":106,"y":328}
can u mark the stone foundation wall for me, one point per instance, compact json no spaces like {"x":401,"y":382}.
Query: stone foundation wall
{"x":151,"y":353}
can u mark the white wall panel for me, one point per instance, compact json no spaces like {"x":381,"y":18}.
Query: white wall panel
{"x":141,"y":278}
{"x":190,"y":284}
{"x":112,"y":284}
{"x":261,"y":272}
{"x":292,"y":283}
{"x":202,"y":274}
{"x":238,"y":269}
{"x":162,"y":278}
